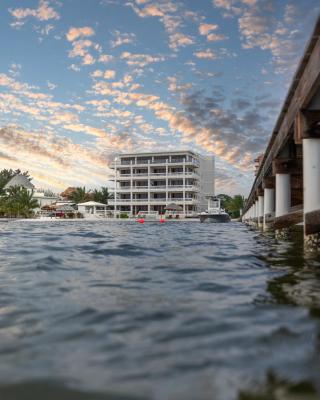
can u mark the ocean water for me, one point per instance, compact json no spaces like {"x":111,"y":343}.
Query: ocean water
{"x":181,"y":310}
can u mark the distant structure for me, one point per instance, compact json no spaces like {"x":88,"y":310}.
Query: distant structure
{"x":148,"y":182}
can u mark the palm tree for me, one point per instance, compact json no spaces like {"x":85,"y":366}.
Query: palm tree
{"x":26,"y":202}
{"x":79,"y":195}
{"x":102,"y":195}
{"x":18,"y":201}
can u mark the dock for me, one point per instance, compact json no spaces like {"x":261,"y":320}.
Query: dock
{"x":286,"y":189}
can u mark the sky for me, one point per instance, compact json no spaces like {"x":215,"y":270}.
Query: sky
{"x":84,"y":80}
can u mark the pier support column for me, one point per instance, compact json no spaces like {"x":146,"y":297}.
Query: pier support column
{"x":256,"y":212}
{"x":260,"y":211}
{"x":268,"y":210}
{"x":311,"y":183}
{"x":283,"y":202}
{"x":283,"y":194}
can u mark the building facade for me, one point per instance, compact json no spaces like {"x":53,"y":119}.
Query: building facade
{"x":148,"y":182}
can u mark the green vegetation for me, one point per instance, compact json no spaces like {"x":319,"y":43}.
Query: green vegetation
{"x":7,"y":174}
{"x":17,"y":202}
{"x":124,"y":215}
{"x":102,"y":195}
{"x":233,"y":205}
{"x":80,"y":195}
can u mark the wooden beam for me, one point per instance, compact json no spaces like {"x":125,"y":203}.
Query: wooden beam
{"x":259,"y":192}
{"x":269,"y":182}
{"x":287,"y":220}
{"x":296,"y":181}
{"x":300,"y":126}
{"x":287,"y":166}
{"x":312,"y":222}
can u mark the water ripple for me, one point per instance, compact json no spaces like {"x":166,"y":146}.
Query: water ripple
{"x":118,"y":310}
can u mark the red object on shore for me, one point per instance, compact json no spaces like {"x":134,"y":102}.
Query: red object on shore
{"x":161,"y":220}
{"x":140,"y":220}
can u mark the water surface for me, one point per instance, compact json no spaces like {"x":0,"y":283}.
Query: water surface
{"x":119,"y":310}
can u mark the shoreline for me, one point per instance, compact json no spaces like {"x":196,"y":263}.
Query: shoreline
{"x":92,"y":220}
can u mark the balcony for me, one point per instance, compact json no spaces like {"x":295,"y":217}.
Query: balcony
{"x":123,"y":163}
{"x":158,"y":201}
{"x":156,"y":175}
{"x":171,"y":188}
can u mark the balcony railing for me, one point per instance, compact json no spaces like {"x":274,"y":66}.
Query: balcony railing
{"x":153,"y":188}
{"x":156,"y":174}
{"x":123,"y":163}
{"x":152,"y":200}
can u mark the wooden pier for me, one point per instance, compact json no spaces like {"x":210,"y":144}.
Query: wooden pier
{"x":286,"y":190}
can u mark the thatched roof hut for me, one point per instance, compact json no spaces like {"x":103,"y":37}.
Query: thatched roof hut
{"x":19,"y":181}
{"x":173,"y":207}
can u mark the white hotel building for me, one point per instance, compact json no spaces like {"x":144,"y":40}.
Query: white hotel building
{"x":150,"y":181}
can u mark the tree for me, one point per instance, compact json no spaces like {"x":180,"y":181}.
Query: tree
{"x":102,"y":195}
{"x":224,"y":200}
{"x":79,"y":195}
{"x":234,"y":205}
{"x":7,"y":174}
{"x":18,"y":202}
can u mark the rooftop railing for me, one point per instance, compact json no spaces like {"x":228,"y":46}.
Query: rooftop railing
{"x":169,"y":200}
{"x":153,"y":162}
{"x":153,"y":188}
{"x":156,"y":174}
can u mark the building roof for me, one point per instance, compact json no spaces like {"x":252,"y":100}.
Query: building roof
{"x":21,"y":181}
{"x":92,"y":203}
{"x":65,"y":208}
{"x":173,"y":207}
{"x":157,"y":153}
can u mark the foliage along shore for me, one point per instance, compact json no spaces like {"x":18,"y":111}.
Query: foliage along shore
{"x":19,"y":202}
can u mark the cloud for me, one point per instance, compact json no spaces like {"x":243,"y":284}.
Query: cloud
{"x":178,"y":40}
{"x":170,"y":14}
{"x":44,"y":12}
{"x":260,"y":27}
{"x":75,"y":33}
{"x":140,"y":60}
{"x":216,"y":37}
{"x":105,"y":58}
{"x":122,"y":38}
{"x":206,"y":54}
{"x":48,"y":157}
{"x":109,"y":74}
{"x":204,"y":29}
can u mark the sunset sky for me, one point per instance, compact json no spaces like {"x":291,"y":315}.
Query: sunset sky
{"x":82,"y":80}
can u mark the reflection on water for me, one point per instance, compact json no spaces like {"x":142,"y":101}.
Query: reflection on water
{"x":280,"y":389}
{"x":172,"y":311}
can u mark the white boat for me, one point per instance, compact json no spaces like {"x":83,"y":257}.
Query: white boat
{"x":215,"y":212}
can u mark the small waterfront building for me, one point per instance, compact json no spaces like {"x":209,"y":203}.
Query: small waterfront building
{"x":43,"y":199}
{"x":93,"y":208}
{"x":149,"y":182}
